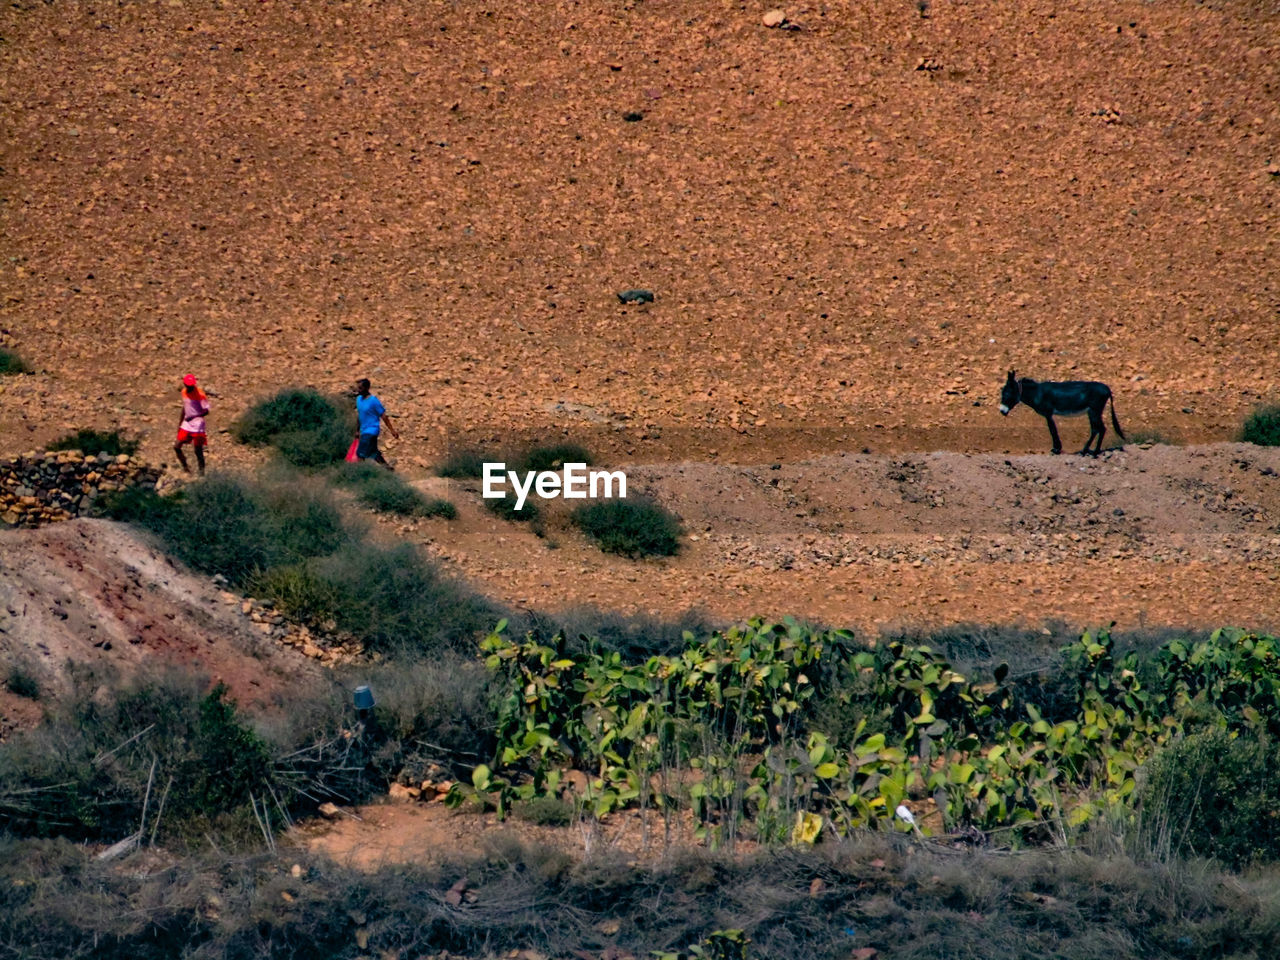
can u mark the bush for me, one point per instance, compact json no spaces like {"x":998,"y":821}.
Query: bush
{"x":1215,"y":795}
{"x":10,"y":362}
{"x":85,"y":774}
{"x":289,"y":543}
{"x":634,"y":528}
{"x":505,"y":507}
{"x":636,"y":636}
{"x":545,"y":811}
{"x":465,"y":464}
{"x":1262,"y":427}
{"x":308,"y":428}
{"x":381,"y":490}
{"x":314,"y":448}
{"x":394,"y":599}
{"x":235,"y":528}
{"x":111,"y":442}
{"x":22,"y":683}
{"x":552,"y":457}
{"x":431,"y":710}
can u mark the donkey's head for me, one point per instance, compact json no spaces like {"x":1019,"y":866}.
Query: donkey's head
{"x":1010,"y":394}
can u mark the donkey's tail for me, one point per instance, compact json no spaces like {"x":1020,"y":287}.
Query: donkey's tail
{"x":1114,"y":422}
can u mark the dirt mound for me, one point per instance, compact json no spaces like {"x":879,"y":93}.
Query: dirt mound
{"x":1176,"y":536}
{"x":89,"y":592}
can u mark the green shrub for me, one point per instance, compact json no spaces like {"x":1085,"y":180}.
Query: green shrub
{"x":85,"y":773}
{"x":381,"y":490}
{"x":10,"y":362}
{"x":1262,"y":427}
{"x":552,"y":457}
{"x":297,"y":591}
{"x":505,"y":507}
{"x":96,"y":441}
{"x":1215,"y":795}
{"x":289,"y":543}
{"x":395,"y":600}
{"x":465,"y":464}
{"x":314,"y":448}
{"x":22,"y":683}
{"x":308,"y":428}
{"x":233,"y":527}
{"x":636,"y":527}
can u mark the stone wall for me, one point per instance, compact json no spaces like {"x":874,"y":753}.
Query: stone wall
{"x":44,"y":487}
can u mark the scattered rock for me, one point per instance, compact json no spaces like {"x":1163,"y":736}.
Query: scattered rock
{"x":636,"y":296}
{"x":403,"y":794}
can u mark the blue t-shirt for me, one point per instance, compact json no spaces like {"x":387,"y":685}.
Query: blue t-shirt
{"x":369,"y":409}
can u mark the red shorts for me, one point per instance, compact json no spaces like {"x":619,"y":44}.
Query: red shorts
{"x":195,"y":439}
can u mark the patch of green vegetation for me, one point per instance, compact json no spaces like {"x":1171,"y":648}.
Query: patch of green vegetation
{"x":290,"y":543}
{"x":23,"y":683}
{"x":505,"y":507}
{"x":237,"y":528}
{"x":552,"y":457}
{"x":1215,"y":795}
{"x":1262,"y":427}
{"x":751,"y":705}
{"x":634,"y":527}
{"x":396,"y":601}
{"x":93,"y":442}
{"x":308,"y":428}
{"x":11,"y":363}
{"x":381,"y":490}
{"x":465,"y":464}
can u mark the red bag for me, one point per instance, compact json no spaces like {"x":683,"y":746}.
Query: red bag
{"x":351,"y":450}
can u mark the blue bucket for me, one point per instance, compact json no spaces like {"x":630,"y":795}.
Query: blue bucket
{"x":364,"y":698}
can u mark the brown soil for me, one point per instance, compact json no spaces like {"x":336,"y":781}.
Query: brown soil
{"x":90,"y":593}
{"x":377,"y":835}
{"x":863,"y":222}
{"x":1176,"y":536}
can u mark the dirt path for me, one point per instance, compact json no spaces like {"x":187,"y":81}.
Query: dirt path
{"x":1159,"y":536}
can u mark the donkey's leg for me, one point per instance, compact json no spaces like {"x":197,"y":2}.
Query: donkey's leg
{"x":1053,"y":432}
{"x":1096,"y":429}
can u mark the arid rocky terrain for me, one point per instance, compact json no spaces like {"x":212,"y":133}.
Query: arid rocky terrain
{"x":852,"y":230}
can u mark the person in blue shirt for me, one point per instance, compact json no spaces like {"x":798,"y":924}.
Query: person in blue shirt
{"x":371,"y":414}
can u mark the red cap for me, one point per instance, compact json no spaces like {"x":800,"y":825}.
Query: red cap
{"x":189,"y":380}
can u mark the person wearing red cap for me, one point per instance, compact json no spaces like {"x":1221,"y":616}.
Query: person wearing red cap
{"x":191,"y":426}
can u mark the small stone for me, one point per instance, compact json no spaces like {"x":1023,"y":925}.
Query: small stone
{"x":774,"y":18}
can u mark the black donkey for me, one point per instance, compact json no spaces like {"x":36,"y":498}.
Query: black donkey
{"x":1068,"y":398}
